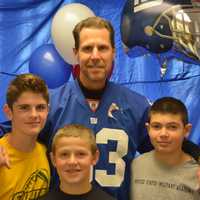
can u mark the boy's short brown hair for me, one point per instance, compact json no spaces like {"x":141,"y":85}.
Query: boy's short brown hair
{"x":25,"y":83}
{"x":75,"y":130}
{"x":169,"y":105}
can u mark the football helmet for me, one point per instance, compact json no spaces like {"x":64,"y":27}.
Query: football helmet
{"x":159,"y":25}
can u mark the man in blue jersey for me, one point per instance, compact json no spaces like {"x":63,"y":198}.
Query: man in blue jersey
{"x":115,"y":113}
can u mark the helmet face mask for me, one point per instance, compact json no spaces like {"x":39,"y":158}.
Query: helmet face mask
{"x":184,"y":24}
{"x":160,"y":25}
{"x":186,"y":30}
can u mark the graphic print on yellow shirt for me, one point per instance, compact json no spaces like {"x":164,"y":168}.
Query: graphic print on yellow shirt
{"x":36,"y":186}
{"x":29,"y":175}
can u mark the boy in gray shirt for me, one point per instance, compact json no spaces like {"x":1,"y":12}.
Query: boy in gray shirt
{"x":166,"y":172}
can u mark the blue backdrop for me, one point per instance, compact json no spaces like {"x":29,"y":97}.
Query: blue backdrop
{"x":25,"y":25}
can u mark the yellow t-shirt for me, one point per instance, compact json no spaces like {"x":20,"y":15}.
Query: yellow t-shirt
{"x":29,"y":175}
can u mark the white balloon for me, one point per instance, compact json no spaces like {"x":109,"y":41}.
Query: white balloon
{"x":63,"y":24}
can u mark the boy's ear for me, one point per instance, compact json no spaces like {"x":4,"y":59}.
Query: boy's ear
{"x":188,"y":128}
{"x":147,"y":126}
{"x":95,"y":157}
{"x":114,"y":53}
{"x":52,"y":159}
{"x":48,"y":108}
{"x":7,"y":111}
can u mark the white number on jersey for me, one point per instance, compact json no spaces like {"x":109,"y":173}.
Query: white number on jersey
{"x":121,"y":138}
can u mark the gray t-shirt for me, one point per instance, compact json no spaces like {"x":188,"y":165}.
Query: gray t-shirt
{"x":152,"y":180}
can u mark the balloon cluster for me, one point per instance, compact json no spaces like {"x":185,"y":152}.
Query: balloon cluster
{"x":62,"y":26}
{"x":54,"y":63}
{"x":49,"y":65}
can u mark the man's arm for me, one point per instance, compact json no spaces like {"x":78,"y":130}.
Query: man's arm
{"x":5,"y":127}
{"x":145,"y":145}
{"x":192,"y":149}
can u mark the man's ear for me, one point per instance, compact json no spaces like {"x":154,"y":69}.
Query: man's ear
{"x":188,"y":128}
{"x":75,"y":51}
{"x":8,"y":112}
{"x":76,"y":54}
{"x":52,"y":159}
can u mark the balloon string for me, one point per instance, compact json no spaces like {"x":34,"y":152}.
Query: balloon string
{"x":9,"y":74}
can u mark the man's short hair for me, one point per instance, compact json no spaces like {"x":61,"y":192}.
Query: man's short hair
{"x":93,"y":22}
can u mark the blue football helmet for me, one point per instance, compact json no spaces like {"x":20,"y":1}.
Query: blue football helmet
{"x":159,"y":25}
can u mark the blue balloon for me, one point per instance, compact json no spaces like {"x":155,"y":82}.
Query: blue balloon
{"x":49,"y":65}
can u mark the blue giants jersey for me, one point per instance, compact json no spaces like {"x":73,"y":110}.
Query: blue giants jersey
{"x":118,"y":124}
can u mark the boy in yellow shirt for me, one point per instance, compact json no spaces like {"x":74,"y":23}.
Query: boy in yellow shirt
{"x":26,"y":175}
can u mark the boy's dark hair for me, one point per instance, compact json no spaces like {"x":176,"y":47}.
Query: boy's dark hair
{"x":93,"y":22}
{"x":25,"y":83}
{"x":169,"y":105}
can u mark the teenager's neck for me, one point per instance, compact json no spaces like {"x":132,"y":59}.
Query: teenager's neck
{"x":172,"y":159}
{"x":21,"y":142}
{"x":75,"y":189}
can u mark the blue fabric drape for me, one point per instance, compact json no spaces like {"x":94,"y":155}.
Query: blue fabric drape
{"x":25,"y":25}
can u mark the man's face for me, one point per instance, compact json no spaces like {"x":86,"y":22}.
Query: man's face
{"x":95,"y":56}
{"x":28,"y":114}
{"x":73,"y":160}
{"x":167,"y":132}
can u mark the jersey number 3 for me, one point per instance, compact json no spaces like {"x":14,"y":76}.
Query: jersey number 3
{"x":120,"y":136}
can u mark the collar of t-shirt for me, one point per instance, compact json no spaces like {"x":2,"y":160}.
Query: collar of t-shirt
{"x":92,"y":96}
